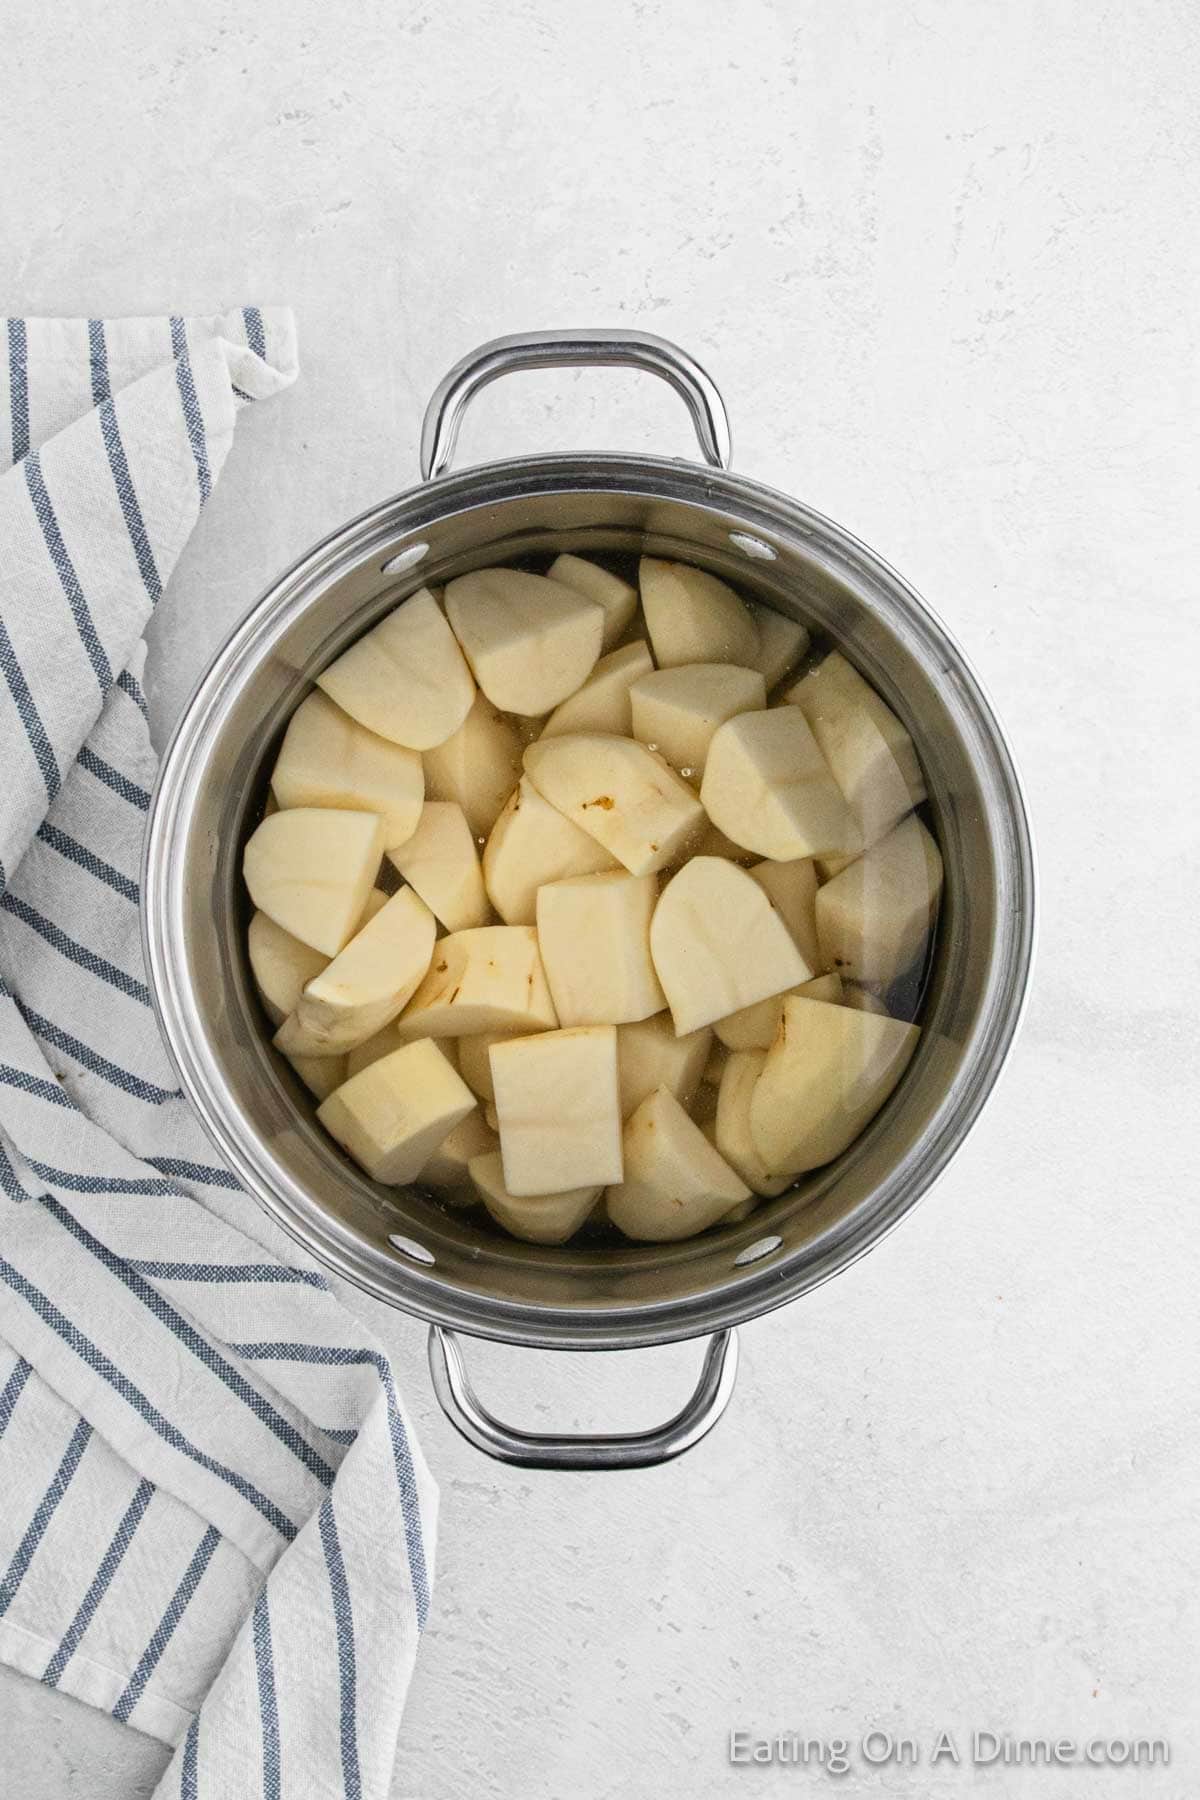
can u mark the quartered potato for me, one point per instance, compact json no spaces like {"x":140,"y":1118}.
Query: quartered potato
{"x":718,"y":944}
{"x":311,"y":869}
{"x":692,"y":617}
{"x":406,"y":679}
{"x":709,"y":902}
{"x":617,"y":599}
{"x":602,"y":703}
{"x":558,"y":1107}
{"x":533,"y":843}
{"x":329,"y":759}
{"x":620,"y":793}
{"x":529,"y":641}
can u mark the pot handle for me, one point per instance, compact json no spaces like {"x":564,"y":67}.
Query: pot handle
{"x":571,"y":350}
{"x":537,"y":1450}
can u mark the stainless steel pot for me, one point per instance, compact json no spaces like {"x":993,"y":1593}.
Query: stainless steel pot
{"x":444,"y":1265}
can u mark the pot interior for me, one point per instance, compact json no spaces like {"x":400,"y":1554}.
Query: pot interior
{"x":453,"y":1265}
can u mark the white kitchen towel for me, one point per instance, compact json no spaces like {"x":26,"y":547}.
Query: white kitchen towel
{"x":214,"y":1519}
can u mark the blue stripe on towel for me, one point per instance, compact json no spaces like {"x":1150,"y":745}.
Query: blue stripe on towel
{"x":98,"y":362}
{"x":28,"y":714}
{"x":25,"y":1083}
{"x":110,"y":1562}
{"x":267,"y":1273}
{"x":130,"y":685}
{"x":194,"y":1171}
{"x":200,"y":1347}
{"x":11,"y":1391}
{"x":139,"y":537}
{"x":18,"y":387}
{"x":132,"y":1395}
{"x":47,"y":1506}
{"x":76,"y":953}
{"x":343,"y":1619}
{"x":90,"y":1059}
{"x":190,"y":402}
{"x":65,"y":569}
{"x":268,"y":1705}
{"x":165,"y":1630}
{"x":84,"y":858}
{"x":113,"y":778}
{"x":188,"y":1765}
{"x":256,"y":335}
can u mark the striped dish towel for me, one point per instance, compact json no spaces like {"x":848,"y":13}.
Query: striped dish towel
{"x":214,"y":1520}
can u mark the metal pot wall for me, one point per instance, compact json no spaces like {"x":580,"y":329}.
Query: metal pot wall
{"x":448,"y":1266}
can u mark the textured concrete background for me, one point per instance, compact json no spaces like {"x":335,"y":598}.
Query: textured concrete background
{"x":941,"y":258}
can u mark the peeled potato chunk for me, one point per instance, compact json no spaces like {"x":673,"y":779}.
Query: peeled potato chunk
{"x":718,"y":944}
{"x":594,"y":936}
{"x":487,"y":979}
{"x":311,"y":869}
{"x":791,"y":887}
{"x":620,"y":793}
{"x":329,"y":759}
{"x":558,"y":1109}
{"x":366,"y":984}
{"x":766,"y":785}
{"x":477,"y":766}
{"x":441,"y":862}
{"x":320,"y":1074}
{"x":475,"y":1063}
{"x":532,"y":843}
{"x":835,"y":686}
{"x":754,"y":1027}
{"x":617,"y":598}
{"x":538,"y":1218}
{"x":738,"y":1080}
{"x":281,"y":965}
{"x":678,"y":709}
{"x":825,"y":1077}
{"x":873,"y":918}
{"x":392,"y":1116}
{"x":781,"y":644}
{"x":448,"y":1170}
{"x":529,"y":640}
{"x":860,"y":757}
{"x":675,"y":1182}
{"x":694,"y":618}
{"x":407,"y":678}
{"x":650,"y":1056}
{"x":602,"y":703}
{"x":381,"y":1043}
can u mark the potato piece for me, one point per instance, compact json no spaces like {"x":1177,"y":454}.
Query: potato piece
{"x":675,"y":1182}
{"x":474,"y":1062}
{"x":376,"y":901}
{"x":829,"y":866}
{"x":718,"y":944}
{"x":559,"y":1111}
{"x":538,"y":1218}
{"x":708,"y":841}
{"x":320,"y":1074}
{"x":529,"y":641}
{"x":280,"y":965}
{"x":440,"y":861}
{"x":873,"y":918}
{"x":791,"y":887}
{"x":733,"y":1138}
{"x":448,"y":1170}
{"x":863,"y":1000}
{"x":677,"y":710}
{"x":826,"y":1075}
{"x":311,"y":869}
{"x":366,"y":984}
{"x":859,"y":756}
{"x":766,"y":785}
{"x":602,"y":703}
{"x":392,"y":1116}
{"x":488,"y":979}
{"x":694,"y":618}
{"x":649,"y":1056}
{"x":616,"y":598}
{"x":531,"y":844}
{"x":714,"y":1068}
{"x":754,"y":1027}
{"x":836,"y":684}
{"x":477,"y":766}
{"x":594,"y":936}
{"x":387,"y":1040}
{"x":781,"y":643}
{"x":329,"y":759}
{"x":619,"y":792}
{"x":406,"y":679}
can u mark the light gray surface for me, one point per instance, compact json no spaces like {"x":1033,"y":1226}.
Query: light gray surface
{"x":940,"y":258}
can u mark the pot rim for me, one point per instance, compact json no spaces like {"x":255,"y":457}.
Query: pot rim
{"x":747,"y":1291}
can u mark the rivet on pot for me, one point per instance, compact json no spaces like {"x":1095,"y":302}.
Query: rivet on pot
{"x":414,"y":1251}
{"x":756,"y":1251}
